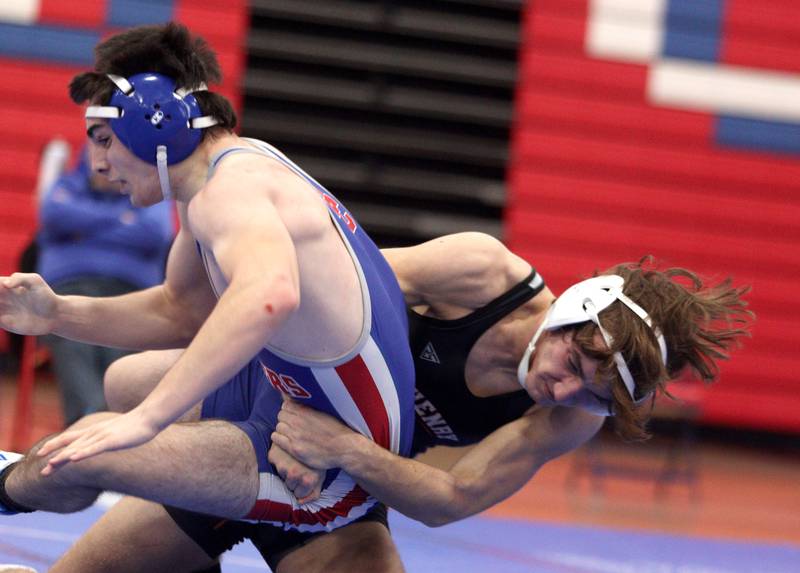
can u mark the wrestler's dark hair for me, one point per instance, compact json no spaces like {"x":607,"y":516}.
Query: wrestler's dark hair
{"x":167,"y":49}
{"x":700,"y":323}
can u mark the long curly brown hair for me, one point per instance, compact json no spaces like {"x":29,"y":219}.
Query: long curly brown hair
{"x":700,"y":323}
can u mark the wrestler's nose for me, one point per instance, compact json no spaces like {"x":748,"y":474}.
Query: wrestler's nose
{"x":566,"y":389}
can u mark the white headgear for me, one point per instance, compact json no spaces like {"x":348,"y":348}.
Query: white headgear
{"x":583,"y":302}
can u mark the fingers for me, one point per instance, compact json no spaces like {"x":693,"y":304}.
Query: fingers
{"x":286,"y":416}
{"x":77,"y":451}
{"x":291,"y":410}
{"x":65,"y":455}
{"x":304,"y":483}
{"x":284,"y":436}
{"x":281,"y":441}
{"x":53,"y":464}
{"x":75,"y":445}
{"x":57,"y":461}
{"x":88,"y":447}
{"x":307,"y":488}
{"x":26,"y":280}
{"x":60,"y":441}
{"x":313,"y":496}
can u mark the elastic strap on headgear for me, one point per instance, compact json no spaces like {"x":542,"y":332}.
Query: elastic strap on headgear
{"x":582,"y":302}
{"x":163,"y":172}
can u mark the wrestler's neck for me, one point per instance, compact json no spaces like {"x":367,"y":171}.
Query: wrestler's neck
{"x":522,"y":326}
{"x":504,"y":344}
{"x":492,"y":363}
{"x":189,"y":176}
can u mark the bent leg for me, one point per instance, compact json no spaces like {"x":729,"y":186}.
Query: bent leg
{"x":129,"y":380}
{"x":364,"y":546}
{"x":207,"y":466}
{"x":134,"y":536}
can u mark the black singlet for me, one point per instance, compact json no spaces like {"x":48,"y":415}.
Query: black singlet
{"x":447,"y":412}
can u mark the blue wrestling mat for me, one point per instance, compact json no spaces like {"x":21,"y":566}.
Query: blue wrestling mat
{"x":474,"y":545}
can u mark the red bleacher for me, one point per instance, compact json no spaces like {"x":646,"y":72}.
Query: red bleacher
{"x":599,"y":176}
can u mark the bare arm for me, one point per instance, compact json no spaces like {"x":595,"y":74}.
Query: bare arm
{"x":490,"y":472}
{"x":456,"y":272}
{"x":165,"y":316}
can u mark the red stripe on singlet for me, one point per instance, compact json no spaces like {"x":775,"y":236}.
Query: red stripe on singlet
{"x":269,"y":510}
{"x":362,"y":388}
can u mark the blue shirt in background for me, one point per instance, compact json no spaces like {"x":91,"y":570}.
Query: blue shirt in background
{"x":86,"y":233}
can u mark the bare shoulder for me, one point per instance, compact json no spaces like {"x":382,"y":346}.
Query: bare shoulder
{"x":239,"y":172}
{"x":254,"y":189}
{"x":463,"y":269}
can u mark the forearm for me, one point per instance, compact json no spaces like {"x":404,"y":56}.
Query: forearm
{"x":417,"y":490}
{"x":144,"y":320}
{"x":235,"y":331}
{"x":488,"y":473}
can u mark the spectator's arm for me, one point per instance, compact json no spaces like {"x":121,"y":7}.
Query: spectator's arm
{"x":66,"y":211}
{"x":145,"y":230}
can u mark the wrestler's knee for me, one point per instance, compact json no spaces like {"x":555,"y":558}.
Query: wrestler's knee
{"x":61,"y":492}
{"x":117,"y":386}
{"x":73,"y":473}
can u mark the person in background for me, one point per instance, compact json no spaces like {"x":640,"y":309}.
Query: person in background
{"x":92,"y":242}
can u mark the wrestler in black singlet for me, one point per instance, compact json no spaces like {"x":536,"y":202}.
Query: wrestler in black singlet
{"x":447,"y":413}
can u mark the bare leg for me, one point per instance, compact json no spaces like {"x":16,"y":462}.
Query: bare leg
{"x":134,"y":536}
{"x":357,"y":547}
{"x":129,"y":380}
{"x":137,"y":535}
{"x":207,"y":466}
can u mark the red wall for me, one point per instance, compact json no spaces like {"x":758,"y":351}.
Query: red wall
{"x":600,"y":175}
{"x":33,"y":90}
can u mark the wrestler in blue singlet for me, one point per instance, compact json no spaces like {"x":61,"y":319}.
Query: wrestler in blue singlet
{"x":370,"y":388}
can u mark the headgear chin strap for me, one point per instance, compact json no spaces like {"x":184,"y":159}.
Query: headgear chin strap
{"x":157,"y":121}
{"x":583,"y":302}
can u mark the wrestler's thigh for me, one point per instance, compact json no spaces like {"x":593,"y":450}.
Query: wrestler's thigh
{"x":207,"y":466}
{"x":134,"y":536}
{"x":358,"y":547}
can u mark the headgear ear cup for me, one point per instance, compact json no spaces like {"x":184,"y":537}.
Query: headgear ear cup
{"x":154,"y":114}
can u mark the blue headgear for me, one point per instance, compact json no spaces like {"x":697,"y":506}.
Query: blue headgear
{"x":153,"y":119}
